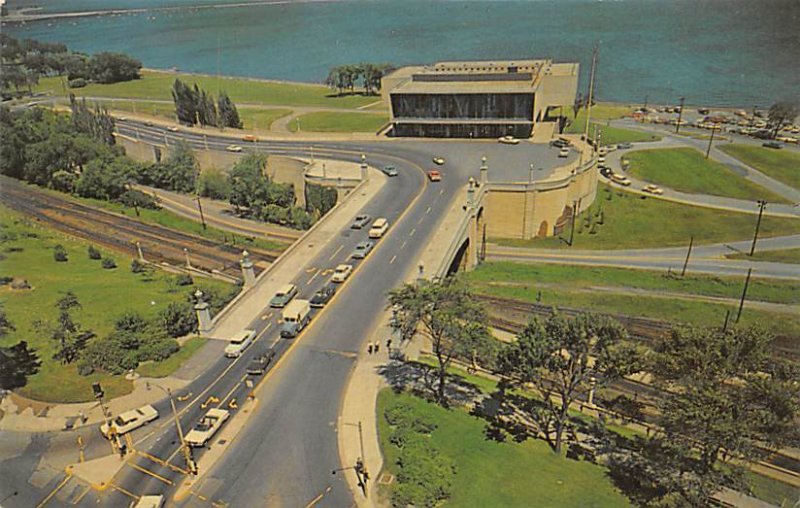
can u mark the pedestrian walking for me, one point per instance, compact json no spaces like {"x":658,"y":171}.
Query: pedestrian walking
{"x":369,"y":347}
{"x":377,"y":346}
{"x":389,"y":343}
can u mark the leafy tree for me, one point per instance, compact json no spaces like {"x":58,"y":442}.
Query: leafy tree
{"x":60,"y":254}
{"x":16,"y":364}
{"x":71,"y":340}
{"x":249,"y":186}
{"x":106,"y":179}
{"x":780,"y":114}
{"x":206,"y":110}
{"x":228,"y":114}
{"x":320,"y":198}
{"x":178,"y":172}
{"x":94,"y":253}
{"x":96,"y":123}
{"x":562,"y":358}
{"x":447,"y":315}
{"x":179,"y":319}
{"x":185,"y":102}
{"x":5,"y":323}
{"x":108,"y":263}
{"x":108,"y":67}
{"x":214,"y":184}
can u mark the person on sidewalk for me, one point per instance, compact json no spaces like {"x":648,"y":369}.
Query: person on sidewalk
{"x":377,"y":346}
{"x":369,"y":347}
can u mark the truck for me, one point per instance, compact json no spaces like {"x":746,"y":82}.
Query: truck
{"x":296,"y":316}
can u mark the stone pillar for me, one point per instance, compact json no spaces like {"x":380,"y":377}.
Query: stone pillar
{"x":363,"y":167}
{"x":186,"y":255}
{"x":203,"y":313}
{"x":471,"y":193}
{"x":139,"y":251}
{"x":248,"y":273}
{"x":484,"y":171}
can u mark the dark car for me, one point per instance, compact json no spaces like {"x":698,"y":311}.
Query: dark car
{"x":624,"y":146}
{"x":360,"y":221}
{"x":261,"y":362}
{"x":772,"y":144}
{"x":560,"y":143}
{"x":324,"y":295}
{"x":362,"y":249}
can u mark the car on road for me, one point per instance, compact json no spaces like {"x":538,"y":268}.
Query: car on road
{"x":508,"y":140}
{"x":390,"y":170}
{"x":624,"y":146}
{"x":149,"y":501}
{"x":233,"y":148}
{"x":653,"y":189}
{"x":772,"y":144}
{"x":434,"y":176}
{"x":360,"y":221}
{"x":122,"y":119}
{"x":606,"y":172}
{"x":438,"y":160}
{"x":283,"y":296}
{"x":239,"y":343}
{"x":620,"y":179}
{"x":324,"y":295}
{"x":172,"y":128}
{"x":379,"y":228}
{"x":260,"y":363}
{"x":205,"y":429}
{"x":130,"y":420}
{"x":148,"y":123}
{"x":250,"y":138}
{"x":362,"y":249}
{"x":564,"y":152}
{"x":341,"y":273}
{"x":560,"y":143}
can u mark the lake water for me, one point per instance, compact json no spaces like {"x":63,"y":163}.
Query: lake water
{"x":720,"y":52}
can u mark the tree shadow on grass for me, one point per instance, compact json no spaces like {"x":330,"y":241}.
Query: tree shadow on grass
{"x":422,"y":380}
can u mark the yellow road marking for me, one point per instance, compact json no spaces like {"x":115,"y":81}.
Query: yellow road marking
{"x":126,"y":492}
{"x":162,"y":462}
{"x":129,"y":442}
{"x":81,"y":456}
{"x":184,"y":397}
{"x":309,"y":270}
{"x":150,"y":473}
{"x":82,"y":495}
{"x":55,"y":490}
{"x":318,"y":498}
{"x":211,"y":400}
{"x":232,"y":404}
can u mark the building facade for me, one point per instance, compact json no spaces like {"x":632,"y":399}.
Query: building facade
{"x":477,"y":99}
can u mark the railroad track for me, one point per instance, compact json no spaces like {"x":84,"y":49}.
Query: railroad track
{"x":117,"y":232}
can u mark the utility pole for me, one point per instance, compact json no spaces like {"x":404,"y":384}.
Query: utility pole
{"x":744,"y":294}
{"x":200,"y":207}
{"x":761,"y":205}
{"x":689,"y":253}
{"x":711,"y":139}
{"x":574,"y":215}
{"x":645,"y":103}
{"x":483,"y":244}
{"x":595,"y":52}
{"x":680,"y":116}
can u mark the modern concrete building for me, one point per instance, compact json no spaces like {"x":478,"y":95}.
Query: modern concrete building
{"x":477,"y":99}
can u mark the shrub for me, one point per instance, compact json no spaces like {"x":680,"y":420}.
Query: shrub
{"x":60,"y":253}
{"x":109,"y":355}
{"x":77,"y":83}
{"x":178,"y":319}
{"x":138,"y":267}
{"x":135,"y":197}
{"x":184,"y":279}
{"x":158,"y":350}
{"x":109,"y":263}
{"x":130,"y":322}
{"x":63,"y":181}
{"x":94,"y":253}
{"x":214,"y":184}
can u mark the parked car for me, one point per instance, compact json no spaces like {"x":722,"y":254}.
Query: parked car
{"x":283,"y":296}
{"x":379,"y":228}
{"x":434,"y":176}
{"x":260,"y":363}
{"x":239,"y":343}
{"x":360,"y":221}
{"x":390,"y":170}
{"x":772,"y":144}
{"x":564,"y":152}
{"x":324,"y":295}
{"x":438,"y":160}
{"x":341,"y":273}
{"x":362,"y":249}
{"x":233,"y":148}
{"x":205,"y":429}
{"x":130,"y":420}
{"x":653,"y":189}
{"x":508,"y":140}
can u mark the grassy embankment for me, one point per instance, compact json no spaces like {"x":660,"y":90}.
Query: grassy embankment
{"x":631,"y":221}
{"x":687,"y":170}
{"x":609,"y":135}
{"x":782,"y":165}
{"x":641,"y":293}
{"x":334,"y":121}
{"x":774,"y":256}
{"x":104,"y":295}
{"x":501,"y":474}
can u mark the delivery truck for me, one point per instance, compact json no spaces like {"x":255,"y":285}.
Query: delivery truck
{"x":296,"y":316}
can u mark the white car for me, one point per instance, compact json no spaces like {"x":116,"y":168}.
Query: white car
{"x":151,"y":501}
{"x":341,"y":273}
{"x":205,"y":429}
{"x":172,"y":128}
{"x":239,"y":343}
{"x":564,"y":152}
{"x":233,"y":148}
{"x":653,"y":189}
{"x":378,"y":228}
{"x":438,"y":161}
{"x":508,"y":140}
{"x":130,"y":420}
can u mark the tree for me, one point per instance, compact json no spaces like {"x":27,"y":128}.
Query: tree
{"x":562,"y":358}
{"x":335,"y":80}
{"x":206,"y":110}
{"x":5,"y":323}
{"x":71,"y":340}
{"x":179,"y":319}
{"x":97,"y":124}
{"x":213,"y":183}
{"x":185,"y":102}
{"x":16,"y":364}
{"x":780,"y":114}
{"x":108,"y":67}
{"x":446,"y":314}
{"x":228,"y":114}
{"x":178,"y":172}
{"x":249,"y":186}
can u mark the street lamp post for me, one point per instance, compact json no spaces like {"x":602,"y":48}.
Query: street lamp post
{"x":680,"y":115}
{"x":711,"y":139}
{"x":185,"y":448}
{"x":761,"y":205}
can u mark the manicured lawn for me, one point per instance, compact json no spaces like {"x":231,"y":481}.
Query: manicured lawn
{"x":631,"y":221}
{"x":103,"y":294}
{"x":608,"y":135}
{"x":332,"y":121}
{"x":502,"y":474}
{"x":775,"y":256}
{"x":166,"y":367}
{"x":687,"y":170}
{"x":782,"y":165}
{"x":587,"y":277}
{"x":255,"y":118}
{"x":158,"y":85}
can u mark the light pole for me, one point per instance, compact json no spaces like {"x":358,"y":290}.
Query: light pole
{"x":530,"y":176}
{"x":185,"y":448}
{"x":680,"y":115}
{"x":761,"y":205}
{"x":711,"y":139}
{"x":200,"y":208}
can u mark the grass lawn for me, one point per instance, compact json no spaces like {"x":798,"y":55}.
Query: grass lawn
{"x":608,"y":135}
{"x":775,"y":256}
{"x":158,"y":85}
{"x":332,"y":121}
{"x":631,"y":221}
{"x":782,"y":165}
{"x":772,"y":491}
{"x":256,"y":118}
{"x":686,"y":170}
{"x":104,"y":295}
{"x":502,"y":474}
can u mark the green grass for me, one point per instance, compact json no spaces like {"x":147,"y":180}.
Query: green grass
{"x":635,"y":222}
{"x":158,"y":85}
{"x":104,"y":295}
{"x":585,"y":277}
{"x":773,"y":491}
{"x":782,"y":165}
{"x":332,"y":121}
{"x":166,"y":367}
{"x":774,"y":256}
{"x":608,"y":135}
{"x":255,"y":118}
{"x":502,"y":474}
{"x":686,"y":170}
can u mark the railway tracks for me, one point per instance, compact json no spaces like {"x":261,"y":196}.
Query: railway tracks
{"x":120,"y":233}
